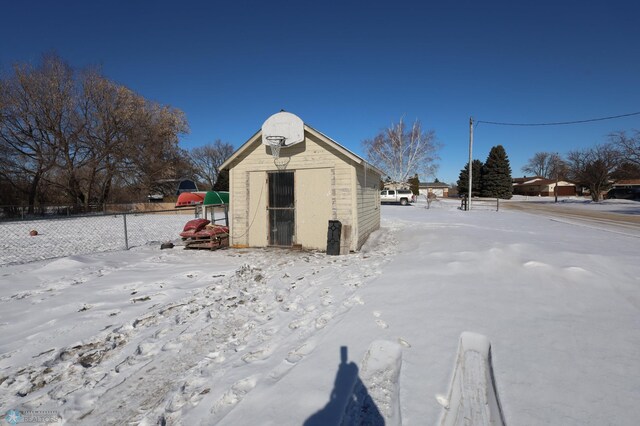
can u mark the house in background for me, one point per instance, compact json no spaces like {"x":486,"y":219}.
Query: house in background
{"x":288,"y":201}
{"x":439,"y":189}
{"x":390,"y":185}
{"x":525,"y":179}
{"x":540,"y":187}
{"x":627,"y":183}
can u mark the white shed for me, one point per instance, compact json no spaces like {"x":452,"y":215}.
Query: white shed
{"x":289,"y":201}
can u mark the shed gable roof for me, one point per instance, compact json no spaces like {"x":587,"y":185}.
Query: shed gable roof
{"x":344,"y":151}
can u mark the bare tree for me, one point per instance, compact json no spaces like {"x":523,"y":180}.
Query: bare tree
{"x":403,"y":151}
{"x":71,"y":136}
{"x":592,"y":168}
{"x":626,"y":170}
{"x":30,"y":147}
{"x":548,"y":165}
{"x":629,"y":146}
{"x":207,"y":160}
{"x":152,"y":148}
{"x":58,"y":98}
{"x":109,"y":111}
{"x":429,"y":198}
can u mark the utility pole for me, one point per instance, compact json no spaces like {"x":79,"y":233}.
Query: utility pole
{"x":470,"y":161}
{"x":555,"y":165}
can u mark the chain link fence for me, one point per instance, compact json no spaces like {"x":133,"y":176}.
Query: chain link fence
{"x":23,"y":241}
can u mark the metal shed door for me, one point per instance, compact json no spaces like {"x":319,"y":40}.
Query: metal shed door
{"x":281,"y":208}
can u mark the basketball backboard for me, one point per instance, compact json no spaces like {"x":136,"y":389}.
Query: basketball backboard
{"x":283,"y":126}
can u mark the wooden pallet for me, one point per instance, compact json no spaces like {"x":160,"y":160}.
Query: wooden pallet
{"x":210,"y":243}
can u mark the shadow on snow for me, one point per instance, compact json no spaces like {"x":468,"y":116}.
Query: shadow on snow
{"x":349,"y":400}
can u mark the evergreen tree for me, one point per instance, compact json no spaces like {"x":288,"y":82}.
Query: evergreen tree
{"x":463,"y":180}
{"x":496,"y":175}
{"x":222,"y":183}
{"x":414,"y":184}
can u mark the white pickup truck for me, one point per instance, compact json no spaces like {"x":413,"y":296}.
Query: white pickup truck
{"x":402,"y":196}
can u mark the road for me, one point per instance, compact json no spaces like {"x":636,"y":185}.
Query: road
{"x":626,"y":223}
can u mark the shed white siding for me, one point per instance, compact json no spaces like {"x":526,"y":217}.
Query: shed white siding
{"x":368,"y":194}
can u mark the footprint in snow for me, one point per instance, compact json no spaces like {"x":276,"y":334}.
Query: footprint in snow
{"x":382,"y":324}
{"x":258,"y":355}
{"x":323,"y":320}
{"x":352,"y":301}
{"x":327,"y":300}
{"x":296,"y":324}
{"x":379,"y":322}
{"x":300,"y":352}
{"x":232,"y":397}
{"x":216,"y":357}
{"x":404,"y":342}
{"x":293,"y":357}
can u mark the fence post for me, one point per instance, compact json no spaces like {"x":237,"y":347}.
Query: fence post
{"x":497,"y":204}
{"x":126,"y":238}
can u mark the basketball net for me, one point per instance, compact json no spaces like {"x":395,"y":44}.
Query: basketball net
{"x":276,"y":142}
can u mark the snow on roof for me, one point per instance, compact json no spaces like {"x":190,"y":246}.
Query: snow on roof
{"x":433,"y":185}
{"x":540,"y":182}
{"x":521,"y":180}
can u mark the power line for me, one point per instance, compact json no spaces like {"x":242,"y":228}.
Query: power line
{"x":557,"y":123}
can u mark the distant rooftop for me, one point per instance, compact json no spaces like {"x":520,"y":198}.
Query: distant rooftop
{"x":525,"y":179}
{"x":433,"y":185}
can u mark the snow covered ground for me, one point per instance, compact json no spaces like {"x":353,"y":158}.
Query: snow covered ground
{"x":276,"y":337}
{"x":85,"y":234}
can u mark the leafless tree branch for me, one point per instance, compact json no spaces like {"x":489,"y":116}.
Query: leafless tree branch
{"x":403,"y":152}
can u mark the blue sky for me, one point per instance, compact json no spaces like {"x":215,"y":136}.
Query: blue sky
{"x":351,"y":68}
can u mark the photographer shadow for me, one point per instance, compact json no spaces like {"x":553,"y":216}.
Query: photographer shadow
{"x":349,"y":401}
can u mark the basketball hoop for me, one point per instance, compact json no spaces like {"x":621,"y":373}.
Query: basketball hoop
{"x":275,"y":142}
{"x":282,"y":130}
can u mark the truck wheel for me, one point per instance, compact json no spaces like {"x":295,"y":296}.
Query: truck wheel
{"x":403,"y":201}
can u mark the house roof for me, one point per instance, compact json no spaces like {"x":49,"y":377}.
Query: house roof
{"x":542,"y":182}
{"x":627,"y":182}
{"x":524,"y":179}
{"x":307,"y":128}
{"x":433,"y":185}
